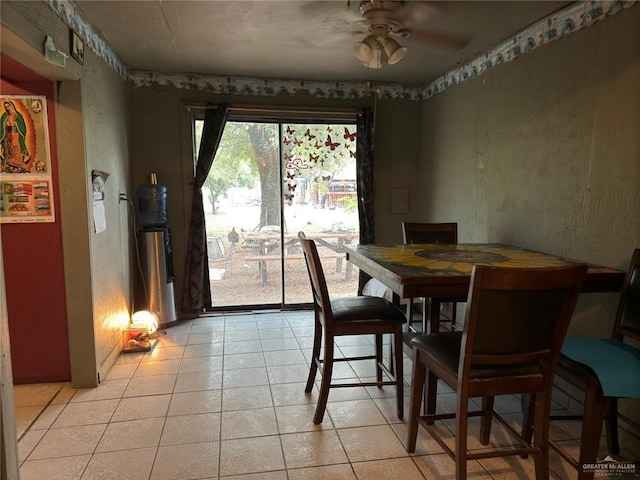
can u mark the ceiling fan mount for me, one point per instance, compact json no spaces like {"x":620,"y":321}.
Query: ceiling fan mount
{"x":381,"y":14}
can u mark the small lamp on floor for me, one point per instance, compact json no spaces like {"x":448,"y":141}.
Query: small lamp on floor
{"x":142,"y":333}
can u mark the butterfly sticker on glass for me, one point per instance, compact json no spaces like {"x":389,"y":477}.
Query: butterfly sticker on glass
{"x":332,"y":145}
{"x":308,"y":134}
{"x":289,"y":197}
{"x":349,"y":135}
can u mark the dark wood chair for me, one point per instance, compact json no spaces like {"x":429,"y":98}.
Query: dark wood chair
{"x":431,"y":233}
{"x":358,"y":315}
{"x":596,"y":365}
{"x":516,"y":320}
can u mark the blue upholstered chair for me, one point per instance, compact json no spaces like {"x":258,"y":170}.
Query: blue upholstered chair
{"x":605,"y":369}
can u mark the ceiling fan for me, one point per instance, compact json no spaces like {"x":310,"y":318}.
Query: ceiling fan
{"x":384,"y":19}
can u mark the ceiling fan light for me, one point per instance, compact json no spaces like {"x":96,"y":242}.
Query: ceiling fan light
{"x":362,"y":51}
{"x":395,"y":52}
{"x":365,"y":50}
{"x":376,"y":60}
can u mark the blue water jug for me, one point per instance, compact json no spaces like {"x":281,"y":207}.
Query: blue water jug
{"x":152,"y":203}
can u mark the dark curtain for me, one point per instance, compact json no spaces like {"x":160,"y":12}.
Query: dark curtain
{"x":364,"y":175}
{"x":196,"y":293}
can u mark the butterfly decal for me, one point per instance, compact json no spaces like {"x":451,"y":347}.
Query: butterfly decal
{"x":290,"y":131}
{"x":288,"y":156}
{"x":331,"y":144}
{"x":318,"y":144}
{"x":291,"y":176}
{"x":349,"y":135}
{"x":329,"y":129}
{"x":297,"y":142}
{"x":308,"y":134}
{"x":352,"y":154}
{"x":292,"y":187}
{"x":286,"y":141}
{"x":289,"y":196}
{"x":313,"y":158}
{"x":326,"y":178}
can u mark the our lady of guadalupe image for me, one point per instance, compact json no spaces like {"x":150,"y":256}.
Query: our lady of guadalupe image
{"x":16,"y":135}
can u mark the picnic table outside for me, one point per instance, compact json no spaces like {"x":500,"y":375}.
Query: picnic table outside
{"x":266,"y":248}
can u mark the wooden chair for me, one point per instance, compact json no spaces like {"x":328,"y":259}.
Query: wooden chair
{"x":430,"y":233}
{"x":597,"y":365}
{"x":349,"y":316}
{"x":516,"y":320}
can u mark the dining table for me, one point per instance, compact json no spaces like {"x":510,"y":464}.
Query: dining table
{"x":442,"y":272}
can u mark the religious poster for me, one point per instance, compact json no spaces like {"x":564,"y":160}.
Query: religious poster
{"x":26,"y":187}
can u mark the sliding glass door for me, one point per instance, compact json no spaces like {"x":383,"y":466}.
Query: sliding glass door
{"x":269,"y":181}
{"x":319,"y":195}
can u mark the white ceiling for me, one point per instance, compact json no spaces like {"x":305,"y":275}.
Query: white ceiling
{"x":300,"y":40}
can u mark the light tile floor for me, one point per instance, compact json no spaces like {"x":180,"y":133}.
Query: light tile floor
{"x":222,"y":397}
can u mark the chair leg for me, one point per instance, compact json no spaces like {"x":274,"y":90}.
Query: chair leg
{"x":325,"y":384}
{"x":485,"y":423}
{"x":611,"y":424}
{"x":461,"y":436}
{"x":594,"y":411}
{"x":378,"y":358}
{"x":454,"y":311}
{"x":392,"y":361}
{"x":434,"y":317}
{"x":431,"y":395}
{"x":541,"y":435}
{"x":527,"y":418}
{"x":415,"y":402}
{"x":315,"y":356}
{"x":410,"y":315}
{"x":398,"y":375}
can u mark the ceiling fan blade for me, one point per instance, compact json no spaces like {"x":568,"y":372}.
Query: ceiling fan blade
{"x":345,"y":11}
{"x":328,"y":39}
{"x":413,"y":12}
{"x":445,"y":40}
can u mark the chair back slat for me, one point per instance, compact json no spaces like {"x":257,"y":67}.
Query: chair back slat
{"x":430,"y":232}
{"x":518,"y":316}
{"x":321,"y":301}
{"x":627,"y":321}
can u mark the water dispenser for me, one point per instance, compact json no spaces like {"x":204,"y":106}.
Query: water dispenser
{"x":156,"y":250}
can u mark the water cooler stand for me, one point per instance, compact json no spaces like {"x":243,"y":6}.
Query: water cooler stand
{"x":155,"y":249}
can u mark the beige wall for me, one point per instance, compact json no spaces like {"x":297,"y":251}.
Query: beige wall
{"x":105,"y":112}
{"x":92,"y":111}
{"x":396,"y":163}
{"x":544,"y":152}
